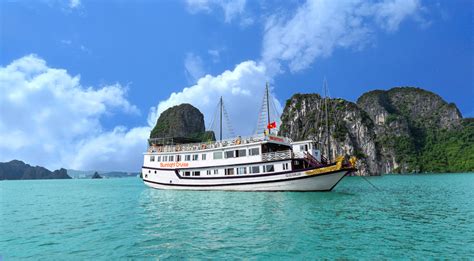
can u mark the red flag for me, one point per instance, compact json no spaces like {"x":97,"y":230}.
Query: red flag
{"x":272,"y":125}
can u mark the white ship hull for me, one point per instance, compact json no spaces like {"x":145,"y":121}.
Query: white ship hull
{"x":285,"y":181}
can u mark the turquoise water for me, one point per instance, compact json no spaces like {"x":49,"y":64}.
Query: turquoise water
{"x":422,"y":216}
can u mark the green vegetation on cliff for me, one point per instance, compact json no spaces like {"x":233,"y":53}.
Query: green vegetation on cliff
{"x":404,"y":130}
{"x":422,"y":131}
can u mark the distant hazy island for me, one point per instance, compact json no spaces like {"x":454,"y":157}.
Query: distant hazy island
{"x":17,"y":169}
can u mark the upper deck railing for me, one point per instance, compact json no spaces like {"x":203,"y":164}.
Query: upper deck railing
{"x":213,"y":144}
{"x":277,"y":155}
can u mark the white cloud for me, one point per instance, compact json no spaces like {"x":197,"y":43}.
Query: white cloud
{"x":194,"y":67}
{"x":318,"y":27}
{"x":120,"y":149}
{"x":215,"y":54}
{"x":231,"y":8}
{"x":242,"y":90}
{"x":49,"y":118}
{"x":74,"y":4}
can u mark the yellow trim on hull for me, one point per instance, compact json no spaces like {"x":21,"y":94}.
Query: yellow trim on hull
{"x":338,"y":166}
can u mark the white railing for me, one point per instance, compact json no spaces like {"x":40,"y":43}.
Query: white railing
{"x":278,"y":155}
{"x":214,"y":144}
{"x":299,"y":154}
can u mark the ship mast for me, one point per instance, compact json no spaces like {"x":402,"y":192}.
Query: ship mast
{"x":268,"y":107}
{"x":328,"y":144}
{"x":221,"y":109}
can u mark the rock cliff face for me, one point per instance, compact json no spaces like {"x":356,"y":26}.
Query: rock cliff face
{"x":184,"y":121}
{"x":404,"y":129}
{"x":16,"y":169}
{"x":403,"y":117}
{"x":352,"y":129}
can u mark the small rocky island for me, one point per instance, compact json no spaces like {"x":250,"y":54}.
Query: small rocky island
{"x":184,"y":122}
{"x":96,"y":176}
{"x":16,"y":170}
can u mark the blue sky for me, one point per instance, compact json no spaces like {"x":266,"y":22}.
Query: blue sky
{"x":118,"y":62}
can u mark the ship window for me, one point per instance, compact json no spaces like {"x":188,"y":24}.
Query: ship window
{"x":196,"y":173}
{"x":178,"y":157}
{"x":242,"y":170}
{"x":187,"y":173}
{"x":203,"y":156}
{"x":216,"y":171}
{"x":158,"y":158}
{"x":165,"y":158}
{"x":229,"y":154}
{"x":269,"y":168}
{"x":240,"y":153}
{"x":254,"y":169}
{"x":254,"y":151}
{"x":171,"y":158}
{"x":208,"y":172}
{"x":152,"y":158}
{"x":195,"y":156}
{"x":217,"y":155}
{"x":229,"y":171}
{"x":187,"y":157}
{"x":285,"y":166}
{"x":301,"y":147}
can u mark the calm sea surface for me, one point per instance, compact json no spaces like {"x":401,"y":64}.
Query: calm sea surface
{"x":421,"y":216}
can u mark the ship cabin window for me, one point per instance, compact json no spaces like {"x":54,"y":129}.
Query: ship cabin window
{"x":241,"y":170}
{"x":254,"y":169}
{"x":304,"y":147}
{"x":165,"y":158}
{"x":274,"y":147}
{"x":217,"y":155}
{"x":229,"y":154}
{"x":229,"y":171}
{"x":208,"y":172}
{"x":187,"y":157}
{"x":187,"y":173}
{"x":195,"y":157}
{"x":196,"y":173}
{"x":285,"y":166}
{"x":216,"y":171}
{"x":240,"y":153}
{"x":254,"y":151}
{"x":203,"y":156}
{"x":158,"y":158}
{"x":152,"y":158}
{"x":178,"y":157}
{"x":171,"y":158}
{"x":269,"y":168}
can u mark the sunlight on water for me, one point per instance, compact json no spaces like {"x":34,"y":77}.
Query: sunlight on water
{"x":427,"y":216}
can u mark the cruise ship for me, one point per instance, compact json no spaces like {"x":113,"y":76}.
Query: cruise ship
{"x":264,"y":162}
